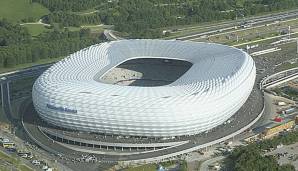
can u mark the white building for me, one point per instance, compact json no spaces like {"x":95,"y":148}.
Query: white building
{"x":72,"y":95}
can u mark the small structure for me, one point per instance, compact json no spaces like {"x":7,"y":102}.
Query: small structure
{"x":273,"y":129}
{"x":278,"y":119}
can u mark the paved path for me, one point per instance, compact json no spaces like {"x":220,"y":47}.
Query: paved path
{"x":261,"y":40}
{"x":38,"y":22}
{"x":205,"y":164}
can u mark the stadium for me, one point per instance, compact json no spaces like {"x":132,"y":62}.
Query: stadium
{"x":148,"y":88}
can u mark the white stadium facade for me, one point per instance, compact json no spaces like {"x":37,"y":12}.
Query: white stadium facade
{"x":75,"y":93}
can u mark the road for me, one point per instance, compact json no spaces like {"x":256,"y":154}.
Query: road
{"x":7,"y":108}
{"x":205,"y":165}
{"x":5,"y":94}
{"x":110,"y":35}
{"x":255,"y":21}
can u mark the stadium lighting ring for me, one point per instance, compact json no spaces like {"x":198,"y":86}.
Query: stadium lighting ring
{"x":218,"y":83}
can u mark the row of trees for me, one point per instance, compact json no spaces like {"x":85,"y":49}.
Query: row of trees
{"x":251,"y":157}
{"x":20,"y":47}
{"x":69,"y":19}
{"x":11,"y":34}
{"x":69,"y":5}
{"x":140,"y":18}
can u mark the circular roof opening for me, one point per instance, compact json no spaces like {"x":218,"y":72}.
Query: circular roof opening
{"x":146,"y":72}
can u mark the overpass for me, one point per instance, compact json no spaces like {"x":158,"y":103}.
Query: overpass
{"x":7,"y":78}
{"x":279,"y":78}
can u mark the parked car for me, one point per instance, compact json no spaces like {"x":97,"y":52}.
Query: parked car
{"x":36,"y":162}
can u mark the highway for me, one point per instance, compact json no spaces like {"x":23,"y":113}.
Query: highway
{"x":12,"y":76}
{"x":230,"y":26}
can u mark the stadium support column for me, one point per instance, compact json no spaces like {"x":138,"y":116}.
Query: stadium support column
{"x":8,"y":94}
{"x":5,"y":96}
{"x":289,"y":32}
{"x":2,"y":98}
{"x":297,"y":45}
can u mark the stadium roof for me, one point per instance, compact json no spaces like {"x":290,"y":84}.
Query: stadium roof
{"x":212,"y":90}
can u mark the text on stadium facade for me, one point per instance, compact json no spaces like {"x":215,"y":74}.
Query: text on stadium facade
{"x":62,"y":109}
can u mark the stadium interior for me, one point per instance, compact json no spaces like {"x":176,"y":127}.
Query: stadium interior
{"x":146,"y":72}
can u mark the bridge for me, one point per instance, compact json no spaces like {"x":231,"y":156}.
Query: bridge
{"x":7,"y":78}
{"x":279,"y":78}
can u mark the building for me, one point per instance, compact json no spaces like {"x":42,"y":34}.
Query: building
{"x":149,"y":101}
{"x":274,"y":129}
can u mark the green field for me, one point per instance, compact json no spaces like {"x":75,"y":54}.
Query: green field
{"x":36,"y":29}
{"x":22,"y":66}
{"x":12,"y":160}
{"x":147,"y":167}
{"x":16,"y":10}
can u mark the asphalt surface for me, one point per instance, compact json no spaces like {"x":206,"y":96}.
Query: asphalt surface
{"x":205,"y":165}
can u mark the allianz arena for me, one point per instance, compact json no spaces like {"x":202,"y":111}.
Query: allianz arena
{"x":86,"y":92}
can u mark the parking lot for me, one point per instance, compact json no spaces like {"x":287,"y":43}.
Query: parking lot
{"x":286,"y":155}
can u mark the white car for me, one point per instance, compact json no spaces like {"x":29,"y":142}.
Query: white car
{"x":36,"y":162}
{"x":24,"y":155}
{"x":45,"y":167}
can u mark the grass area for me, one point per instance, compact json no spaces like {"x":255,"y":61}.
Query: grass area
{"x":93,"y":28}
{"x":16,"y":10}
{"x":36,"y":29}
{"x":24,"y":168}
{"x":8,"y":158}
{"x":22,"y":66}
{"x":147,"y":167}
{"x":13,"y":161}
{"x":287,"y":66}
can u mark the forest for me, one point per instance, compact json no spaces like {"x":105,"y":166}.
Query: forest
{"x":17,"y":46}
{"x":133,"y":18}
{"x":145,"y":18}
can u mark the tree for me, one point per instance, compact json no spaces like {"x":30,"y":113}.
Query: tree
{"x":10,"y":62}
